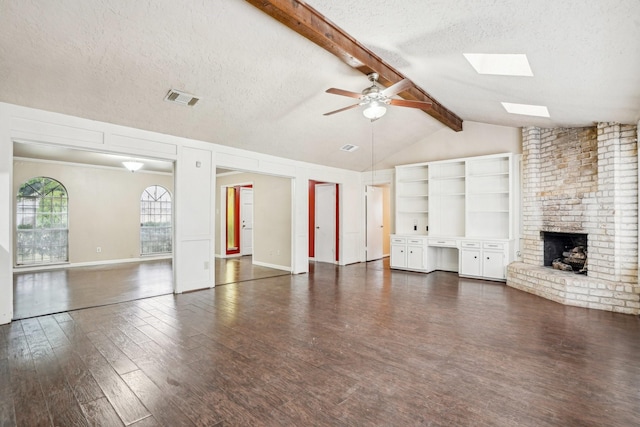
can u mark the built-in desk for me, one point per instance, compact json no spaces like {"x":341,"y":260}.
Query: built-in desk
{"x":486,"y":259}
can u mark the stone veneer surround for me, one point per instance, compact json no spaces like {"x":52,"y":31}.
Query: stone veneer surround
{"x":581,"y":180}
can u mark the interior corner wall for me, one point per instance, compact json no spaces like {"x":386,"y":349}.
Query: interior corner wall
{"x":386,"y":219}
{"x":271,"y":217}
{"x":103,"y":206}
{"x":6,"y":212}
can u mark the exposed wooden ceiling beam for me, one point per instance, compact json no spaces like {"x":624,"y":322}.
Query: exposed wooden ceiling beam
{"x":309,"y":23}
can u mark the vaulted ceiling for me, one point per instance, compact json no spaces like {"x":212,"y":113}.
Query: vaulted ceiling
{"x":262,"y":85}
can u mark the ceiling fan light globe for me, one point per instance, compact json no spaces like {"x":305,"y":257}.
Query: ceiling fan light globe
{"x":374,"y":111}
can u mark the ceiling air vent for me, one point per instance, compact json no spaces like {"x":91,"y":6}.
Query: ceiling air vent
{"x":181,"y":98}
{"x":348,"y":147}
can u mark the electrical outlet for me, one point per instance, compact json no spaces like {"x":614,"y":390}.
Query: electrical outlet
{"x":98,"y":249}
{"x":206,"y":265}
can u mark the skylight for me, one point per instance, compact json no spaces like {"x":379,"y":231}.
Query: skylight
{"x":500,"y":64}
{"x":526,"y":109}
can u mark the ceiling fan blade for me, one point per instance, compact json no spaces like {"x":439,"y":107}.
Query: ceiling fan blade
{"x":397,"y":87}
{"x":341,"y":110}
{"x":412,"y":104}
{"x":335,"y":91}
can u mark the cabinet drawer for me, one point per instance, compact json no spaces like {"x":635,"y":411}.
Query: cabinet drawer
{"x":446,"y":243}
{"x":493,"y":246}
{"x":475,"y":245}
{"x":400,"y":240}
{"x":414,"y":241}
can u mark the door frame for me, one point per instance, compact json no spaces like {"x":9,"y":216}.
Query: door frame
{"x":223,"y":218}
{"x":244,"y":189}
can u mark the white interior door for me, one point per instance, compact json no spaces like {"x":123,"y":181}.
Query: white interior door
{"x":375,"y":223}
{"x":246,"y":221}
{"x":325,"y":233}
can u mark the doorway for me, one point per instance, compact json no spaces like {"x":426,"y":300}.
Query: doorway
{"x":106,"y":262}
{"x":246,"y":221}
{"x":325,"y":231}
{"x":378,"y":219}
{"x":259,"y":235}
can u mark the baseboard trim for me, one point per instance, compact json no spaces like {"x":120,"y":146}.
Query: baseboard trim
{"x":275,"y":266}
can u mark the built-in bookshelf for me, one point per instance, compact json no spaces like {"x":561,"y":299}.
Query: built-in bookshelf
{"x":447,"y":202}
{"x":469,"y":197}
{"x":488,"y":196}
{"x":412,"y":199}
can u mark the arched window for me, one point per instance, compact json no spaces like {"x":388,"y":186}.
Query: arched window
{"x":41,"y":222}
{"x":155,"y":221}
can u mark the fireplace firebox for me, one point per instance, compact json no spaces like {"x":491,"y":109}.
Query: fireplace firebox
{"x":565,"y":251}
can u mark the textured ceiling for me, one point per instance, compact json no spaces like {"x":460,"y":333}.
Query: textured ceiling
{"x":262,"y":85}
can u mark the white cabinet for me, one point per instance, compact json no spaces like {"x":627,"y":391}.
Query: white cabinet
{"x":408,"y":253}
{"x":483,"y":259}
{"x":470,"y":258}
{"x":416,"y":252}
{"x":494,"y":261}
{"x":398,"y":252}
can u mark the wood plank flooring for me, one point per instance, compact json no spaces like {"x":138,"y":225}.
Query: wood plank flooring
{"x":347,"y":346}
{"x":38,"y":293}
{"x":52,"y":291}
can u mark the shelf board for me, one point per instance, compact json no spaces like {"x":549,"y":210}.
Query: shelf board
{"x":482,"y":193}
{"x":407,"y":180}
{"x":498,"y":211}
{"x":449,"y":194}
{"x":447,"y":177}
{"x":413,"y":196}
{"x":480,"y":175}
{"x":412,"y":212}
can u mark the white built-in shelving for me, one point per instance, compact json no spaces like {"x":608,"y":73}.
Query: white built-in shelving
{"x":458,"y":201}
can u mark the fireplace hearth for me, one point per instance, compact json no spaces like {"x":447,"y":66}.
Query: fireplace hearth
{"x":565,"y":251}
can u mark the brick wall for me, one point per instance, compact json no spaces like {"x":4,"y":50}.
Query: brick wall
{"x":582,"y":180}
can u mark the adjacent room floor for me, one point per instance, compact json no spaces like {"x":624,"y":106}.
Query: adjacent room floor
{"x":53,"y":291}
{"x":355,"y":345}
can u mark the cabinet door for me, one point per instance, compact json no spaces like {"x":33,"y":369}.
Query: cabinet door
{"x":415,"y":257}
{"x":470,"y":262}
{"x":493,"y":265}
{"x":398,"y":256}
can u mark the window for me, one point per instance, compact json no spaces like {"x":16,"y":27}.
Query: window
{"x":155,"y":221}
{"x":42,"y":222}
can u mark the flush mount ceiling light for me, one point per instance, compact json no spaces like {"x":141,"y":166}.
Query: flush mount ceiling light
{"x":133,"y":166}
{"x":526,"y":109}
{"x":500,"y":64}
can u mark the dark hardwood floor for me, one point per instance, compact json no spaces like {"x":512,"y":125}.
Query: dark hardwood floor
{"x":37,"y":293}
{"x":240,"y":269}
{"x":356,"y":345}
{"x":53,"y":291}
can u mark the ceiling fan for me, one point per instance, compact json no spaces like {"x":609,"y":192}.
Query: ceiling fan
{"x":375,"y":99}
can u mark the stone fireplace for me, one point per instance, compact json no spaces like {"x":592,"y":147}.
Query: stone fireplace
{"x":581,"y":182}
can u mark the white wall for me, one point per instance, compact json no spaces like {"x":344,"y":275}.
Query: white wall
{"x":195,"y":182}
{"x":476,"y":139}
